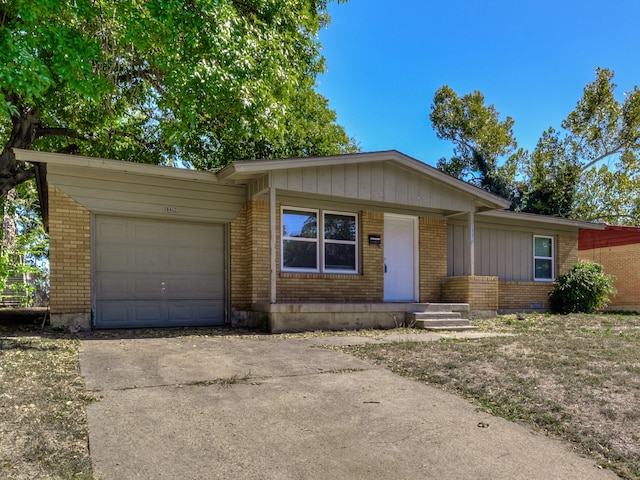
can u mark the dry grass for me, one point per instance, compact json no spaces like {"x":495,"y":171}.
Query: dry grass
{"x":576,"y":377}
{"x":43,"y":429}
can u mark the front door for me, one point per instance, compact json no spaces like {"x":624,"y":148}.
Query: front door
{"x":400,"y":258}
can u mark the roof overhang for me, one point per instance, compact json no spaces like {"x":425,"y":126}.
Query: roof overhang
{"x":78,"y":161}
{"x":542,"y":219}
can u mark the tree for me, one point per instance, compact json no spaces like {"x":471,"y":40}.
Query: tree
{"x":592,"y":170}
{"x":552,"y":173}
{"x":481,"y":140}
{"x":198,"y":82}
{"x":23,"y":243}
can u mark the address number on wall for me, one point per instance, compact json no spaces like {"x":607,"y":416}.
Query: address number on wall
{"x":171,"y":210}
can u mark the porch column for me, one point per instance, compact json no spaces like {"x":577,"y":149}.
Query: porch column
{"x":272,"y":244}
{"x":472,"y":247}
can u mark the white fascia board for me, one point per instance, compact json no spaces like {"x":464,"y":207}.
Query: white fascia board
{"x":78,"y":161}
{"x":547,"y":219}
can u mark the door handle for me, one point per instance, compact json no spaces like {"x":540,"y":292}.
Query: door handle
{"x":385,"y":268}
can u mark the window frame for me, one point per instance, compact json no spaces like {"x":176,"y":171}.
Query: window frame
{"x":540,"y":257}
{"x":320,"y":241}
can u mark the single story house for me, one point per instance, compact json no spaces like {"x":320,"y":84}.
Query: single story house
{"x":346,"y":241}
{"x":617,"y":249}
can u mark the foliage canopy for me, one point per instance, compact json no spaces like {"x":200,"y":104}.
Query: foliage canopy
{"x":198,"y":82}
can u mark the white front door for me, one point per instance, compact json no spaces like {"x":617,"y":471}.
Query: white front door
{"x":400,"y":258}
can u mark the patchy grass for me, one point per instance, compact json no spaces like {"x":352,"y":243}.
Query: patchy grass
{"x":43,"y":429}
{"x":575,"y":377}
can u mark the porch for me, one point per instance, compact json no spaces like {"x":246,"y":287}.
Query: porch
{"x":300,"y":316}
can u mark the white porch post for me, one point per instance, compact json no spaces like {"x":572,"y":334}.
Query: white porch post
{"x":272,"y":244}
{"x":472,"y":247}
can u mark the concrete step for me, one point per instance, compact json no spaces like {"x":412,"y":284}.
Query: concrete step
{"x":461,"y":308}
{"x":434,"y":316}
{"x":459,"y":328}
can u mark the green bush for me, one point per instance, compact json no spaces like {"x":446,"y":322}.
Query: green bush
{"x":585,"y":289}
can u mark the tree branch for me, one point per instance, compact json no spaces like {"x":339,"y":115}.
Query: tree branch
{"x":62,"y":132}
{"x":606,"y":154}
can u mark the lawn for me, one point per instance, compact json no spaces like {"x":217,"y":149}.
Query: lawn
{"x":43,"y":428}
{"x":575,"y":377}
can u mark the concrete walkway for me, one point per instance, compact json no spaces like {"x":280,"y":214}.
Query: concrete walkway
{"x":290,"y":410}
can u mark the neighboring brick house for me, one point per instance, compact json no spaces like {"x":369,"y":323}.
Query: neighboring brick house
{"x":346,"y":241}
{"x":617,"y":249}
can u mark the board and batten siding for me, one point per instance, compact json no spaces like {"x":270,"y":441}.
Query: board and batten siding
{"x":374,"y":182}
{"x":505,"y":254}
{"x":105,"y":191}
{"x":504,"y":246}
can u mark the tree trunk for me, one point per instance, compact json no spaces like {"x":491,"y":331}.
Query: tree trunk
{"x":23,"y":132}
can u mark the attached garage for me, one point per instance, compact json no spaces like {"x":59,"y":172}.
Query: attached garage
{"x":156,"y":273}
{"x":135,"y":245}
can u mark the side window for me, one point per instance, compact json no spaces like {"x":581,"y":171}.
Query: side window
{"x":543,"y":265}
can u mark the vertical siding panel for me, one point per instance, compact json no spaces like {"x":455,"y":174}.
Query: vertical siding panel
{"x":413,"y":193}
{"x":324,"y":180}
{"x":337,"y":180}
{"x":502,"y":248}
{"x":310,"y":180}
{"x":402,"y":180}
{"x":351,"y":181}
{"x":364,"y":187}
{"x":377,"y":182}
{"x":294,"y":179}
{"x":280,"y":179}
{"x":389,"y":175}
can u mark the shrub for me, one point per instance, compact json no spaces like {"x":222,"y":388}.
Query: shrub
{"x":585,"y":289}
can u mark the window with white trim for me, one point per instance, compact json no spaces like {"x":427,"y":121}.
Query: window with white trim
{"x":332,"y":248}
{"x":543,"y":265}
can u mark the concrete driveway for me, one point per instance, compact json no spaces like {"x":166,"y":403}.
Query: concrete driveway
{"x":275,"y":408}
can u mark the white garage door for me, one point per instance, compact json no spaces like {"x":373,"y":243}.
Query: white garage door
{"x":151,"y":273}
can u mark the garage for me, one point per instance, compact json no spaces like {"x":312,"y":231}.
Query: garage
{"x":158,"y":273}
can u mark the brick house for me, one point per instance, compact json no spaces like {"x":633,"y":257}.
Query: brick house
{"x":348,"y":241}
{"x":617,"y":249}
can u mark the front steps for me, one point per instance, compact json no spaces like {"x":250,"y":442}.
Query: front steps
{"x":440,"y":317}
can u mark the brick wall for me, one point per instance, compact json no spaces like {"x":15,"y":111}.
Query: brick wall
{"x":624,"y":262}
{"x":433,"y":257}
{"x":69,"y":257}
{"x":250,"y":263}
{"x":524,"y":295}
{"x":481,"y":293}
{"x":567,"y":253}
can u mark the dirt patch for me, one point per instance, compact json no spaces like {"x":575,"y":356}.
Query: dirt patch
{"x":22,"y":316}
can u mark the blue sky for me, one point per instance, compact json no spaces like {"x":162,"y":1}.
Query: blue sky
{"x":530,"y":59}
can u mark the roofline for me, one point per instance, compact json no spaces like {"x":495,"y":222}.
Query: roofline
{"x":66,"y":160}
{"x":538,"y":218}
{"x":263,"y":166}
